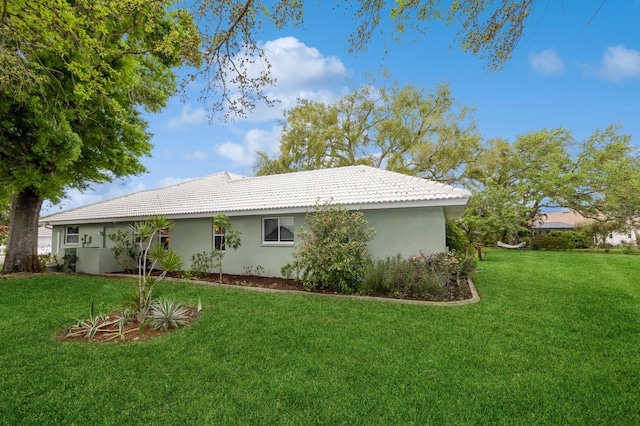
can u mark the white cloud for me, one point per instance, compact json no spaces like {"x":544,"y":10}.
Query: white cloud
{"x":187,"y":117}
{"x":244,"y":153}
{"x":298,"y":66}
{"x":76,"y":198}
{"x":618,"y":63}
{"x":546,"y":62}
{"x":301,"y":72}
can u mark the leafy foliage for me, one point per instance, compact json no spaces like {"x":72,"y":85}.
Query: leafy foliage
{"x":124,"y":250}
{"x":402,"y":129}
{"x":151,"y":254}
{"x":202,"y":263}
{"x":231,"y":239}
{"x":4,"y":232}
{"x":231,"y":47}
{"x":551,"y":242}
{"x":98,"y":323}
{"x":598,"y":230}
{"x":579,"y":240}
{"x":438,"y":276}
{"x":333,"y":252}
{"x":76,"y":78}
{"x":608,"y":178}
{"x":455,"y":237}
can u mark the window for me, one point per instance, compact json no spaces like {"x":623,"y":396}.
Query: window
{"x":610,"y":235}
{"x":72,"y":235}
{"x":277,"y":229}
{"x":218,"y":238}
{"x":629,"y":234}
{"x":164,"y":238}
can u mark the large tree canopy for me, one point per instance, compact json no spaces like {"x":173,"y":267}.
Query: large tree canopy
{"x":608,"y":178}
{"x":231,"y":29}
{"x":513,"y":184}
{"x":401,"y":129}
{"x":77,"y":75}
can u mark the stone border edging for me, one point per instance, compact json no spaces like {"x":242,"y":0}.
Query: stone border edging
{"x":475,"y":297}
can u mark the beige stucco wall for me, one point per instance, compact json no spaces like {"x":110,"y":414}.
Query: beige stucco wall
{"x":93,"y":248}
{"x":404,"y":231}
{"x":190,"y":236}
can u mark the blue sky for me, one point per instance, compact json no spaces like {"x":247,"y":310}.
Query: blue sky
{"x":577,"y":66}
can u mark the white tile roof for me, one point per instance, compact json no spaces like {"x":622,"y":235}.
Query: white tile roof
{"x":353,"y":187}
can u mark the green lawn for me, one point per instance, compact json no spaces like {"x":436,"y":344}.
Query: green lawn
{"x":555,"y":340}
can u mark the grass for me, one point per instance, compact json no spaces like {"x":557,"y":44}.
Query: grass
{"x":555,"y":340}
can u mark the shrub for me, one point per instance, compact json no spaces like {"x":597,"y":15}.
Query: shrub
{"x":124,"y":250}
{"x":579,"y":240}
{"x":333,"y":252}
{"x":560,"y":240}
{"x":456,"y":238}
{"x":438,"y":276}
{"x":629,"y":247}
{"x":202,"y":263}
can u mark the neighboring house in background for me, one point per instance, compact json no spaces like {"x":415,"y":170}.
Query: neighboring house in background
{"x":567,"y":220}
{"x":407,"y":213}
{"x":44,"y":239}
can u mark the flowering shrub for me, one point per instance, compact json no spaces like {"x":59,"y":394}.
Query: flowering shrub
{"x":332,"y":252}
{"x":440,"y":276}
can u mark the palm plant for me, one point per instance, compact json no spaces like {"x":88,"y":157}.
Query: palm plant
{"x":152,"y":255}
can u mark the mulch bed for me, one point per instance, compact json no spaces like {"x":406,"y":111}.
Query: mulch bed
{"x":459,"y":293}
{"x":130,"y":333}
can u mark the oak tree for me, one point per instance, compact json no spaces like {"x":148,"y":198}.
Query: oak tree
{"x":400,"y":129}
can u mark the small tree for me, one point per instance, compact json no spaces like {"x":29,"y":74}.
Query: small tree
{"x":598,"y":230}
{"x":333,"y":252}
{"x":150,"y":256}
{"x":230,"y":239}
{"x":124,"y":250}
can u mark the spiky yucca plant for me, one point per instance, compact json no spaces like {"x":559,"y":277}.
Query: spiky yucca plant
{"x":166,"y":313}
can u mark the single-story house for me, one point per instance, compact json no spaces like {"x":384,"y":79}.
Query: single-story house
{"x":44,"y":240}
{"x":408,"y":214}
{"x":566,"y":220}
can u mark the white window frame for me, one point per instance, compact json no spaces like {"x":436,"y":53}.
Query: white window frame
{"x":219,"y":232}
{"x":163,"y":235}
{"x":67,"y":234}
{"x":279,"y":241}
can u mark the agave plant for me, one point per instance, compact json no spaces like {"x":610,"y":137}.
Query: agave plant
{"x":167,"y":314}
{"x":107,"y":327}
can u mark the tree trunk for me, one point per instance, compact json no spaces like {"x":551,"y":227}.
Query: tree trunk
{"x":22,"y":244}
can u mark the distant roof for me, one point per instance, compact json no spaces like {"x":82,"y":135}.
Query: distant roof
{"x":554,"y":225}
{"x":353,"y":187}
{"x":566,"y":219}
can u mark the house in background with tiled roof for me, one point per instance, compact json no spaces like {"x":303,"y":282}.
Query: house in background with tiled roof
{"x":567,"y":220}
{"x":407,"y":213}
